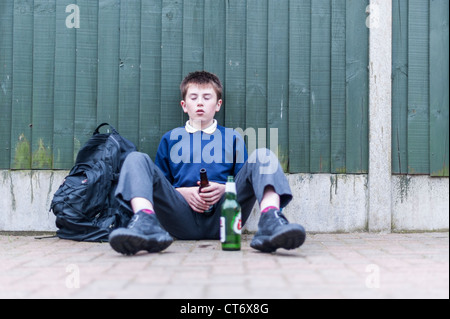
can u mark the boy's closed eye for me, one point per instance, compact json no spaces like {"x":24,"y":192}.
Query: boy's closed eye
{"x":206,"y":97}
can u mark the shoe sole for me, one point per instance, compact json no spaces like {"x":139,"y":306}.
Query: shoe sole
{"x":125,"y":242}
{"x":292,"y":236}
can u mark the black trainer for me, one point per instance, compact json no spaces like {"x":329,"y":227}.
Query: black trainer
{"x":274,"y":231}
{"x":144,"y":232}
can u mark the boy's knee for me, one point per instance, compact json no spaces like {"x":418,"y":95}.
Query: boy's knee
{"x":136,"y":157}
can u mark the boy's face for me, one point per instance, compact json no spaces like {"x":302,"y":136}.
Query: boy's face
{"x":201,"y":104}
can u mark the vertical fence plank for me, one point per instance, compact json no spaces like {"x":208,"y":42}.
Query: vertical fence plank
{"x":278,"y":77}
{"x":256,"y":82}
{"x":338,"y":87}
{"x":357,"y":95}
{"x":86,"y":74}
{"x":418,"y":88}
{"x":399,"y":86}
{"x":22,"y":84}
{"x":65,"y":85}
{"x":214,"y":44}
{"x":43,"y":79}
{"x":299,"y":91}
{"x":320,"y":85}
{"x":193,"y":37}
{"x":129,"y":74}
{"x":6,"y":72}
{"x":236,"y":13}
{"x":171,"y":64}
{"x":108,"y":62}
{"x":439,"y":83}
{"x":150,"y":99}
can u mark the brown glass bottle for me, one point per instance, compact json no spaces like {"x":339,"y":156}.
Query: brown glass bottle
{"x":205,"y":183}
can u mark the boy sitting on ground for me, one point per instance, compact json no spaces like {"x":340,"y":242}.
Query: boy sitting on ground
{"x":165,"y":197}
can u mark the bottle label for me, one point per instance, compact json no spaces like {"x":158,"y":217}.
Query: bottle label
{"x":223,"y":232}
{"x":237,"y":224}
{"x":230,"y":188}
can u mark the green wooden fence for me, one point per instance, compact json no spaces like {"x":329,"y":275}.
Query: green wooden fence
{"x":300,"y":66}
{"x":420,"y":117}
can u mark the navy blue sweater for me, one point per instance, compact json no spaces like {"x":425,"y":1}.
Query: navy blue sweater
{"x":181,"y":155}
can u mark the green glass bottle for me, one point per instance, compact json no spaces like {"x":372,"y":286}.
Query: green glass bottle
{"x":230,"y":220}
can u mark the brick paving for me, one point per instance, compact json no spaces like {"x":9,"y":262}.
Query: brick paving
{"x":358,"y":265}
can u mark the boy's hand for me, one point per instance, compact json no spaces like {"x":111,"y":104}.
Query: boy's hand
{"x":192,"y":197}
{"x":199,"y":202}
{"x":213,"y":193}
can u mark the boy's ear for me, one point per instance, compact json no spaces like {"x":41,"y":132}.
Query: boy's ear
{"x":219,"y":105}
{"x":183,"y":105}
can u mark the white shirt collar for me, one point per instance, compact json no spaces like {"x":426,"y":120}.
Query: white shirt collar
{"x":209,"y":130}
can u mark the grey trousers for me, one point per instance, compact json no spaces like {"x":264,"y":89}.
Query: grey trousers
{"x":140,"y":177}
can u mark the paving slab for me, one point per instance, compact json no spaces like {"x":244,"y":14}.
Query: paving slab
{"x":338,"y":266}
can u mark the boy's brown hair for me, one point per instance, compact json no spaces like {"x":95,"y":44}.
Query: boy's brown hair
{"x":201,"y":78}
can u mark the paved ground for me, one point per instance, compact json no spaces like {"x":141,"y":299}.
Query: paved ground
{"x":359,"y":265}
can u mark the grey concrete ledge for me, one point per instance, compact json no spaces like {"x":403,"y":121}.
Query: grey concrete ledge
{"x":322,"y":203}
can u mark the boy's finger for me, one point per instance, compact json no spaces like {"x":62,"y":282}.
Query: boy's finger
{"x":201,"y":199}
{"x":197,"y":210}
{"x":200,"y":202}
{"x":203,"y":204}
{"x":206,"y":189}
{"x":198,"y":207}
{"x":206,"y":196}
